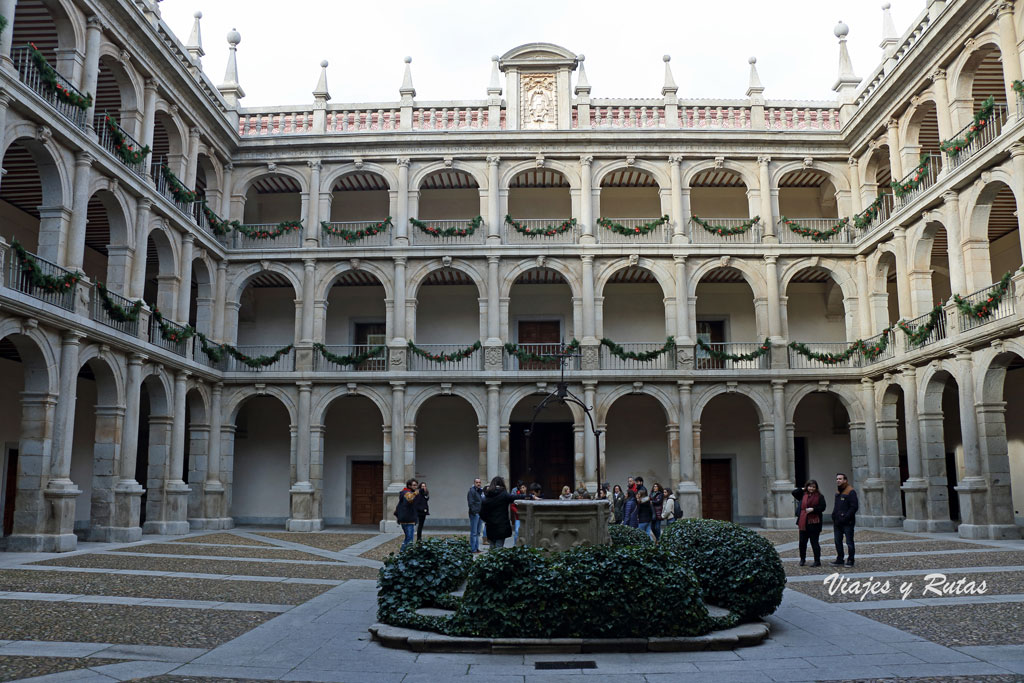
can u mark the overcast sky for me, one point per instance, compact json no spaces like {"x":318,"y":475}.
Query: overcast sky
{"x":451,"y":43}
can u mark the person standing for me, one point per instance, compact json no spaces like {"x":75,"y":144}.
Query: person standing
{"x":644,"y":508}
{"x":657,"y":501}
{"x":474,"y":497}
{"x":566,"y":494}
{"x":844,"y":518}
{"x":581,"y":492}
{"x":618,"y":504}
{"x":422,"y":508}
{"x":812,"y":505}
{"x":668,"y":511}
{"x":405,"y":511}
{"x":494,"y":511}
{"x":629,"y":509}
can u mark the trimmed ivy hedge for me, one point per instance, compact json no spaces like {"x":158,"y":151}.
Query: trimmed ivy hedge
{"x":739,"y":569}
{"x":627,"y":535}
{"x":420,"y":577}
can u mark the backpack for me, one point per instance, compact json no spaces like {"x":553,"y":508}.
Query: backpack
{"x":677,"y":509}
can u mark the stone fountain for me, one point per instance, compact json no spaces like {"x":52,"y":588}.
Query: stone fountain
{"x":563,"y":524}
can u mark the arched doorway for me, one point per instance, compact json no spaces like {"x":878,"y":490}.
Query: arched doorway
{"x":631,"y":313}
{"x":822,"y":445}
{"x":547,"y":454}
{"x":729,"y":318}
{"x":734,"y":485}
{"x":353,"y":462}
{"x":637,"y":442}
{"x":447,"y":320}
{"x":541,"y":315}
{"x":32,"y":200}
{"x":448,"y":455}
{"x":261,"y":466}
{"x":720,"y":198}
{"x":631,"y":197}
{"x":356,"y":322}
{"x":816,"y":314}
{"x":539,"y":200}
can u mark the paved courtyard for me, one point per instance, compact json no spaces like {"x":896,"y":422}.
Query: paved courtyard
{"x":260,"y":604}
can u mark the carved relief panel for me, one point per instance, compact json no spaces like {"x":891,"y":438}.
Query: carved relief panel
{"x":538,"y":101}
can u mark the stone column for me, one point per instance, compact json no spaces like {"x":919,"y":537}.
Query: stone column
{"x":1011,"y":59}
{"x":945,"y":120}
{"x":402,"y":211}
{"x":220,"y":303}
{"x":148,"y":112}
{"x":304,"y":515}
{"x":1017,"y":157}
{"x":679,"y":216}
{"x":856,"y":198}
{"x":493,"y":430}
{"x":397,"y":473}
{"x":779,"y":355}
{"x":589,"y":344}
{"x":972,"y":489}
{"x":587,"y":200}
{"x":90,"y":72}
{"x":687,"y":489}
{"x":764,"y":178}
{"x":141,"y":240}
{"x":863,"y":297}
{"x":7,"y":9}
{"x":492,"y":345}
{"x":76,"y":240}
{"x":192,"y":163}
{"x":874,"y":505}
{"x":915,"y":488}
{"x":995,"y":464}
{"x":225,"y":192}
{"x":312,"y":231}
{"x":128,"y":492}
{"x":176,"y":491}
{"x":60,"y":492}
{"x":892,"y":128}
{"x":955,"y":252}
{"x":590,"y":475}
{"x":682,"y":303}
{"x":184,"y":299}
{"x":493,"y":201}
{"x":903,"y":291}
{"x":782,"y":486}
{"x":304,"y":349}
{"x":214,"y":513}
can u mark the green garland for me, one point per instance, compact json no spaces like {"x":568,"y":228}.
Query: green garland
{"x":1018,"y":86}
{"x":865,"y":217}
{"x":723,"y":230}
{"x":217,"y":353}
{"x":178,"y":190}
{"x":454,"y":231}
{"x":3,"y":23}
{"x":981,"y":119}
{"x":642,"y":229}
{"x":40,"y":280}
{"x":355,"y":359}
{"x":261,"y":232}
{"x":870,"y":352}
{"x":172,"y":334}
{"x":116,"y":311}
{"x":984,"y":309}
{"x":218,"y":225}
{"x":920,"y":173}
{"x":527,"y":357}
{"x":51,"y":82}
{"x":356,"y":235}
{"x":814,"y":234}
{"x":917,"y":335}
{"x":644,"y":356}
{"x":125,"y":150}
{"x":452,"y":357}
{"x":547,"y":230}
{"x":735,"y":357}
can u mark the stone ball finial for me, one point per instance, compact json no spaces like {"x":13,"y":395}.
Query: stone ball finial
{"x":323,"y":64}
{"x":581,"y":58}
{"x":494,"y":58}
{"x":408,"y":60}
{"x":234,"y":37}
{"x":886,"y":5}
{"x":666,"y":58}
{"x":751,"y":60}
{"x":841,"y":30}
{"x":198,"y":15}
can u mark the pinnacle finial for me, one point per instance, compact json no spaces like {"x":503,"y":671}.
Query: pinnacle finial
{"x":494,"y":87}
{"x":407,"y":90}
{"x":195,"y":40}
{"x":321,"y":92}
{"x":847,"y":81}
{"x":890,"y":39}
{"x":582,"y":82}
{"x":231,"y":89}
{"x":669,"y":87}
{"x":754,"y":86}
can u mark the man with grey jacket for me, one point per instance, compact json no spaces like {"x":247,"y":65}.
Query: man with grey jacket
{"x":474,"y":499}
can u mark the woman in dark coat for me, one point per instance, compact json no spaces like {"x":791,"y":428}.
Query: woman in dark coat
{"x":619,"y":504}
{"x":812,"y":505}
{"x":494,"y":511}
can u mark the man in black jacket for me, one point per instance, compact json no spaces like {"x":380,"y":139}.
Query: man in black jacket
{"x":406,"y":513}
{"x":474,"y":498}
{"x":844,"y":518}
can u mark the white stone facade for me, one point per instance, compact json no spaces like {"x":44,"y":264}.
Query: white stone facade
{"x":110,"y":430}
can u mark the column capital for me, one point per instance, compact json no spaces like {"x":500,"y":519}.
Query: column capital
{"x":587,"y":258}
{"x":938,"y":75}
{"x":5,"y":98}
{"x":586,"y":160}
{"x":899,"y":232}
{"x":84,"y":159}
{"x":493,"y":160}
{"x":400,"y":260}
{"x":217,"y":387}
{"x":1004,"y":8}
{"x":493,"y":259}
{"x":963,"y":355}
{"x":853,"y":161}
{"x":779,"y":384}
{"x":150,"y":85}
{"x":493,"y":386}
{"x":72,"y":337}
{"x":397,"y":385}
{"x":229,"y":166}
{"x":187,"y":237}
{"x":675,"y":159}
{"x":222,"y":265}
{"x":1016,"y":149}
{"x":860,"y":258}
{"x":315,"y":165}
{"x":685,"y":385}
{"x":304,"y":386}
{"x":908,"y":370}
{"x":950,"y":197}
{"x":403,"y":162}
{"x":771,"y":259}
{"x":867,"y":382}
{"x":145,"y":203}
{"x":195,"y":132}
{"x":182,"y":375}
{"x":137,"y":358}
{"x":763,"y":160}
{"x":309,"y":264}
{"x":95,"y":23}
{"x":679,"y":259}
{"x":892,"y":123}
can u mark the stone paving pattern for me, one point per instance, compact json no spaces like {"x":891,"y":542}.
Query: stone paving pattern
{"x":886,"y":547}
{"x":319,"y":632}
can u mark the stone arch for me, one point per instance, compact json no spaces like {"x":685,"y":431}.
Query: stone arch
{"x":469,"y":395}
{"x":758,"y":395}
{"x":743,"y":170}
{"x":847,"y":396}
{"x":197,"y":398}
{"x":327,"y":179}
{"x":656,"y":171}
{"x":327,"y":279}
{"x":240,"y":279}
{"x":656,"y":268}
{"x":753,"y":277}
{"x":415,"y":279}
{"x":233,"y":403}
{"x":213,"y":172}
{"x":963,"y":69}
{"x":165,"y":242}
{"x":51,"y":162}
{"x":68,"y":26}
{"x":473,"y":170}
{"x":910,"y":125}
{"x":37,"y":356}
{"x":979,"y":201}
{"x":567,"y":170}
{"x":512,"y":399}
{"x":664,"y":399}
{"x":323,"y":404}
{"x":243,"y":182}
{"x":561,"y":266}
{"x":842,"y":278}
{"x":836,"y":175}
{"x":930,"y":390}
{"x":128,"y":82}
{"x":111,"y":389}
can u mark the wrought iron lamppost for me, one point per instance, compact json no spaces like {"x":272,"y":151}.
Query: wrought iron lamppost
{"x":561,"y":394}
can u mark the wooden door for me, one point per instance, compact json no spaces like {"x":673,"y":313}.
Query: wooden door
{"x":542,"y":337}
{"x":546,"y":458}
{"x":10,"y":490}
{"x":369,"y":335}
{"x":716,"y":489}
{"x":367,"y":492}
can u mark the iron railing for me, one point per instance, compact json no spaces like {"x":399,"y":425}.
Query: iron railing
{"x":286,"y":363}
{"x":875,"y":342}
{"x":109,"y":142}
{"x":19,"y":280}
{"x":660,"y":235}
{"x":798,"y":361}
{"x":419,"y":237}
{"x":290,"y":239}
{"x":1003,"y":309}
{"x":163,"y":186}
{"x":472,"y":362}
{"x":156,"y":336}
{"x":931,"y":169}
{"x":381,"y":239}
{"x":99,"y":313}
{"x":33,"y":78}
{"x":885,"y":209}
{"x":824,"y":225}
{"x":376,"y":363}
{"x":702,"y":360}
{"x":546,"y":349}
{"x":666,"y":361}
{"x":513,"y":236}
{"x":701,"y":235}
{"x":938,"y":332}
{"x":989,"y":133}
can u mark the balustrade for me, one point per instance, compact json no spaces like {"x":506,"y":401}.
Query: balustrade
{"x":883,"y":341}
{"x":19,"y":278}
{"x":930,"y":169}
{"x":795,"y":118}
{"x":99,"y":313}
{"x":659,"y":235}
{"x":609,"y":361}
{"x":163,"y":186}
{"x":377,"y":362}
{"x":105,"y":129}
{"x":824,"y":226}
{"x":704,"y":360}
{"x":31,"y":76}
{"x":701,"y":235}
{"x":286,"y":363}
{"x":540,"y":225}
{"x":1004,"y":308}
{"x":177,"y":343}
{"x":938,"y":333}
{"x":472,"y":362}
{"x":286,"y":240}
{"x":512,"y":361}
{"x":451,"y":118}
{"x":421,"y":238}
{"x":992,"y":129}
{"x":798,"y":361}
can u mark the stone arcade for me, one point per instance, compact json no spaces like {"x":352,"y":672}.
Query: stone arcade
{"x":297,"y":373}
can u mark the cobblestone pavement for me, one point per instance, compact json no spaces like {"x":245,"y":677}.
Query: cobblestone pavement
{"x":261,"y":604}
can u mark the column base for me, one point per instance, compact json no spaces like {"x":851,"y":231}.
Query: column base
{"x":60,"y":496}
{"x":388,"y":527}
{"x":304,"y":525}
{"x":688,"y":495}
{"x":973,"y":494}
{"x":788,"y":523}
{"x":784,"y":503}
{"x":915,"y":493}
{"x":115,"y":534}
{"x":127,"y":512}
{"x":42,"y":543}
{"x":166,"y":528}
{"x":939,"y":526}
{"x":211,"y":523}
{"x":871,"y":502}
{"x":303,"y":515}
{"x":1004,"y":532}
{"x":175,"y":511}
